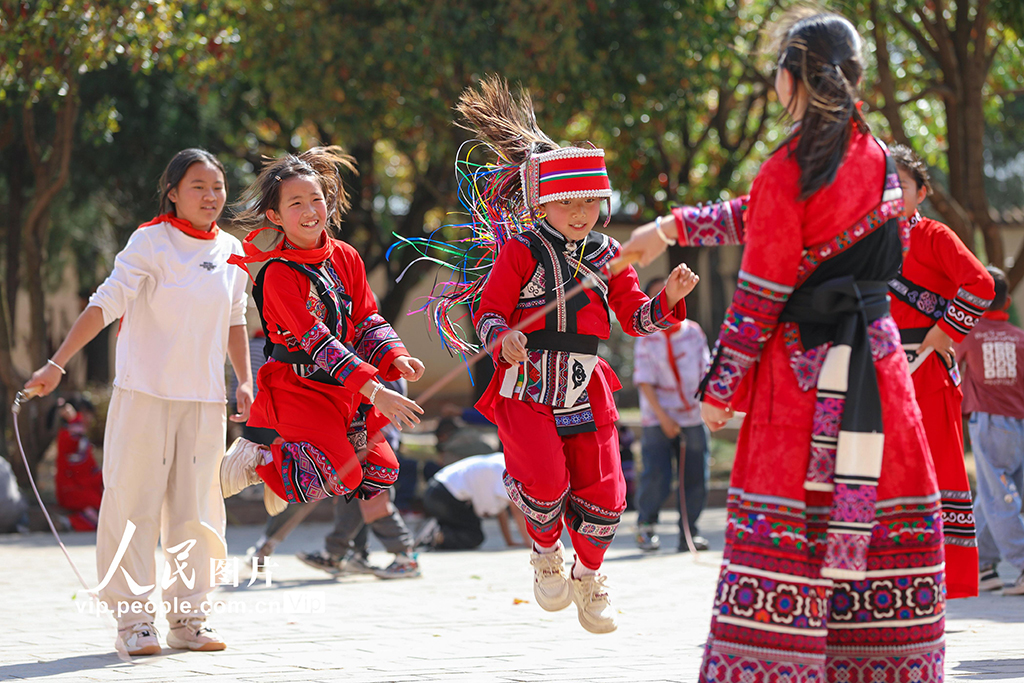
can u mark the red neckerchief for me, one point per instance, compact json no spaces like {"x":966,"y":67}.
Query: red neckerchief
{"x":285,"y":250}
{"x":672,"y":364}
{"x":184,"y":226}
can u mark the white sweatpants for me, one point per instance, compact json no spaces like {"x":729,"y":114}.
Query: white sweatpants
{"x":160,"y":471}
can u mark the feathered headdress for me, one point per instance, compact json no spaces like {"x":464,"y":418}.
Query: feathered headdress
{"x":502,"y":198}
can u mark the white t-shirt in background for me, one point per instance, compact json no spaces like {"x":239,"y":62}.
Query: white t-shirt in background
{"x":477,"y":480}
{"x":178,"y":297}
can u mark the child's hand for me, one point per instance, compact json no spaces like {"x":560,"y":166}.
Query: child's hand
{"x":397,"y":408}
{"x":411,"y":368}
{"x":714,"y":417}
{"x":941,"y":343}
{"x":45,"y":379}
{"x":243,"y":399}
{"x":513,"y":347}
{"x":681,"y":282}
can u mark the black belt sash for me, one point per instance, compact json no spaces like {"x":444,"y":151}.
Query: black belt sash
{"x":281,"y":353}
{"x":919,"y":298}
{"x":847,"y":435}
{"x":550,"y":340}
{"x":850,"y":306}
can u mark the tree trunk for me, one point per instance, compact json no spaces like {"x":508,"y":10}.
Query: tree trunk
{"x":50,"y":171}
{"x":15,"y":209}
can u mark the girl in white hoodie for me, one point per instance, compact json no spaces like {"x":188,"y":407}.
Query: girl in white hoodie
{"x":182,"y":310}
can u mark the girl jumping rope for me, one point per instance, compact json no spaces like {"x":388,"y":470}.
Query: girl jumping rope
{"x":322,"y":398}
{"x":551,"y":395}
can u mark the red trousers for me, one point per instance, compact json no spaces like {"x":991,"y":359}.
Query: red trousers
{"x":321,"y":425}
{"x":550,"y":477}
{"x":940,"y":401}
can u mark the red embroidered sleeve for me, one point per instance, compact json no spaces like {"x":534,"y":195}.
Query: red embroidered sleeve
{"x":374,"y":340}
{"x":976,"y":289}
{"x":500,"y":295}
{"x":712,"y":225}
{"x":768,"y":274}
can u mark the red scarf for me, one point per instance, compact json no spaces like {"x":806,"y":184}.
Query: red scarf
{"x":184,"y":226}
{"x":672,"y":361}
{"x":254,"y":254}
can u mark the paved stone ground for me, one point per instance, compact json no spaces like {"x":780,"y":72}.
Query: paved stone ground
{"x":471,"y":617}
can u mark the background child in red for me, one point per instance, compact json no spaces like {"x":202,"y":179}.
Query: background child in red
{"x":313,"y":298}
{"x":551,"y":395}
{"x":939,"y":295}
{"x":79,"y":480}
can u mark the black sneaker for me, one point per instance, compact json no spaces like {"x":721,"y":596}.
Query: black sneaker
{"x":988,"y":579}
{"x":321,"y":559}
{"x":699,"y":542}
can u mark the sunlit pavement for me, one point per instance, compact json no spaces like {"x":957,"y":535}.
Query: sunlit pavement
{"x":471,"y":617}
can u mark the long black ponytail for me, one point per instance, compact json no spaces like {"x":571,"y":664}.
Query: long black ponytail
{"x":823,"y":51}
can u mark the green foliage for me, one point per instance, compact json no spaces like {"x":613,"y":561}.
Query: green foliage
{"x":46,"y":43}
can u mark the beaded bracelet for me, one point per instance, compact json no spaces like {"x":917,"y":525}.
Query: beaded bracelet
{"x":661,"y":233}
{"x":373,"y":394}
{"x":49,"y":361}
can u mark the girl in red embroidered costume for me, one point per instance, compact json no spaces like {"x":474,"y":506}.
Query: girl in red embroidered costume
{"x":941,"y":292}
{"x":551,"y":396}
{"x":833,"y":567}
{"x":319,"y":395}
{"x":78,"y":480}
{"x":182,"y":310}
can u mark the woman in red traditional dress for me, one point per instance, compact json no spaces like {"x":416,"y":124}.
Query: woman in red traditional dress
{"x":319,"y":395}
{"x":834,"y":565}
{"x":939,"y":295}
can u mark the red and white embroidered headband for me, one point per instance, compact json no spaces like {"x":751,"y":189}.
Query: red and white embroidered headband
{"x":565,"y":173}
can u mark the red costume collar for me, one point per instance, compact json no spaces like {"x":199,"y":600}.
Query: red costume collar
{"x":254,"y":254}
{"x":184,"y":226}
{"x":915,"y":219}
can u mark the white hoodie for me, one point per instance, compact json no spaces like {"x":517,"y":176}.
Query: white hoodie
{"x":178,"y":296}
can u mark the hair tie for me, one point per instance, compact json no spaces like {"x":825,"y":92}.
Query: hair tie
{"x":277,"y":178}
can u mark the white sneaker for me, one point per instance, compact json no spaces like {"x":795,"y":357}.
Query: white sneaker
{"x":551,"y":586}
{"x":274,"y":503}
{"x":595,"y":609}
{"x":238,"y":468}
{"x":138,"y":639}
{"x":192,"y":633}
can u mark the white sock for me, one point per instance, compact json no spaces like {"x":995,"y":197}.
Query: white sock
{"x":537,"y":548}
{"x":579,"y":571}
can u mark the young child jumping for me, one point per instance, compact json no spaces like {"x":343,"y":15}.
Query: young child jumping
{"x":313,"y":298}
{"x":551,"y":395}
